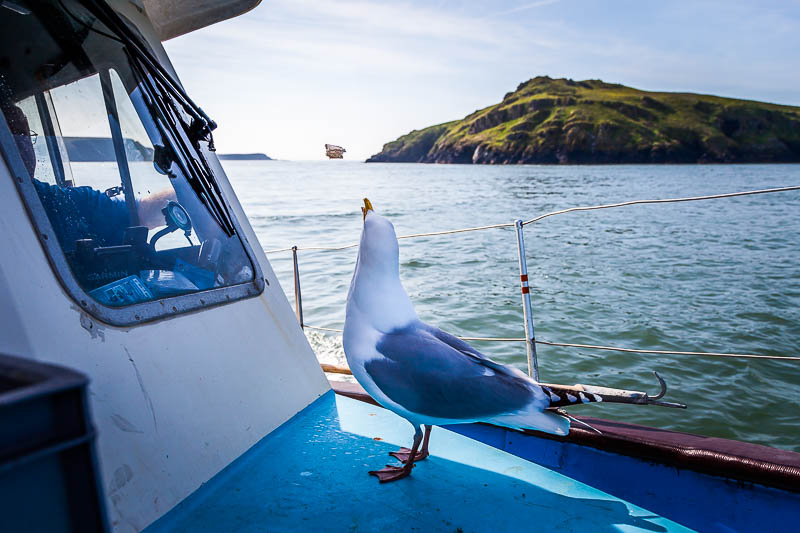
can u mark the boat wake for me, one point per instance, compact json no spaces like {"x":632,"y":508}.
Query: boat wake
{"x":329,"y":350}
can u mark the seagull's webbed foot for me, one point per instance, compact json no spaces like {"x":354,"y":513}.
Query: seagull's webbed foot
{"x":403,"y":454}
{"x":392,"y":473}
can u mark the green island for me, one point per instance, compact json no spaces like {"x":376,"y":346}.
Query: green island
{"x":561,"y":121}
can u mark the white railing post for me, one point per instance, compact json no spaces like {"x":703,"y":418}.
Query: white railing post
{"x":530,"y":336}
{"x":298,"y":299}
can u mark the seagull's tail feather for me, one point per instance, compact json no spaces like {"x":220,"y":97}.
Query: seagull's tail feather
{"x":561,"y":396}
{"x":534,"y":418}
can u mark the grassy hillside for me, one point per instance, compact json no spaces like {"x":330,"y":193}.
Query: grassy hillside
{"x":564,"y":121}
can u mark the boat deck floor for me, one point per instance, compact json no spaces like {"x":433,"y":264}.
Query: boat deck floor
{"x":311,"y":475}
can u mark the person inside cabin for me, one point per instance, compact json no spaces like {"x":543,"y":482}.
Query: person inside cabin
{"x":82,"y":212}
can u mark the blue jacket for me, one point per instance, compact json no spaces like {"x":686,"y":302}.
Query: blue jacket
{"x":83,"y":213}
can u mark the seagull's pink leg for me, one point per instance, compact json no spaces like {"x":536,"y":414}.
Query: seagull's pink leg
{"x":404,"y":453}
{"x":393,"y":473}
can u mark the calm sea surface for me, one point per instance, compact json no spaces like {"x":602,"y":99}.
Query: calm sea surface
{"x":713,"y":276}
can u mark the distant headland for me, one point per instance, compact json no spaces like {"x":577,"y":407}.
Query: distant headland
{"x":244,"y":157}
{"x":101,"y":149}
{"x":561,"y":121}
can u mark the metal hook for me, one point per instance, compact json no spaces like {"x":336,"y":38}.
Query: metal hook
{"x":655,"y":399}
{"x":663,"y":387}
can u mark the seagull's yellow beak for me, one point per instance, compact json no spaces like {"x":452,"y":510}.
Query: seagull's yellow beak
{"x":367,"y":207}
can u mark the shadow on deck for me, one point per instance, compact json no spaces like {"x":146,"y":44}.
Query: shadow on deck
{"x":311,"y":474}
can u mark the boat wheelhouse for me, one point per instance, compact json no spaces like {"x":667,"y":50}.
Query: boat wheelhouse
{"x":207,"y":409}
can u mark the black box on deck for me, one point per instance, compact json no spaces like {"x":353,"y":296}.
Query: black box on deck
{"x":49,"y":478}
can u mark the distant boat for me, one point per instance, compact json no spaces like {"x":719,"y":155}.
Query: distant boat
{"x":334,"y":152}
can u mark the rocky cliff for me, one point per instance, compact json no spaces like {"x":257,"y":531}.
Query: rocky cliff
{"x":564,"y":121}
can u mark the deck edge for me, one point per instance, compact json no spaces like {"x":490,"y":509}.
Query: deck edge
{"x":720,"y":457}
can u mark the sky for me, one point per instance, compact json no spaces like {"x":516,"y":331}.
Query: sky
{"x":292,"y":75}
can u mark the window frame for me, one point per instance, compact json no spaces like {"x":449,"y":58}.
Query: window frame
{"x":133,"y":314}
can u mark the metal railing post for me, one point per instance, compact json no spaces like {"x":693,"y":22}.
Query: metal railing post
{"x":298,"y":299}
{"x":530,"y":336}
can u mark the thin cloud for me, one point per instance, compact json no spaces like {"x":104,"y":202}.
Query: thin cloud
{"x":400,"y":19}
{"x":526,"y":7}
{"x":354,"y":36}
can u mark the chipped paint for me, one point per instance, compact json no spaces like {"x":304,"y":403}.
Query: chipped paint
{"x":124,"y":424}
{"x":94,"y":329}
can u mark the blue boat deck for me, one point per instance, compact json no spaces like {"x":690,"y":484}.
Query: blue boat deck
{"x":311,"y":474}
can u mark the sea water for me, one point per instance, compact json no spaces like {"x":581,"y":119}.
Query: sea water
{"x":711,"y":276}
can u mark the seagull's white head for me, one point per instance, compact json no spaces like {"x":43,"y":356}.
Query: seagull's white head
{"x":378,"y":249}
{"x":376,"y":290}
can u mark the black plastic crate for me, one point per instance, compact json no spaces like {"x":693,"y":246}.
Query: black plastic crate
{"x":49,"y":479}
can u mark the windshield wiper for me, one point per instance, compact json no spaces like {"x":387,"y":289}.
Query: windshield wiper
{"x":166,"y":90}
{"x":112,"y":20}
{"x":193,"y":165}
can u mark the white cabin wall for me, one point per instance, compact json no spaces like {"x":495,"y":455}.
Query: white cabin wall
{"x":174,"y":401}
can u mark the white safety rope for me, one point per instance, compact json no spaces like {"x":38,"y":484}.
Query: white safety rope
{"x":412,"y":236}
{"x":552,"y":213}
{"x":612,"y":348}
{"x":662,"y":201}
{"x":570,"y":210}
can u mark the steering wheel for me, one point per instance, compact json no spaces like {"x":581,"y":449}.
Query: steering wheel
{"x":176,"y":217}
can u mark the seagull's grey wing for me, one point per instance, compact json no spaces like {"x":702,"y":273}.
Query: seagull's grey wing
{"x":453,"y":341}
{"x":428,"y":376}
{"x":468,"y":350}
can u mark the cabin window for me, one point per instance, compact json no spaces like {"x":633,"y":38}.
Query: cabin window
{"x":113,"y":171}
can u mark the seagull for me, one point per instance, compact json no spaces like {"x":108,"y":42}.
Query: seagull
{"x":422,"y":373}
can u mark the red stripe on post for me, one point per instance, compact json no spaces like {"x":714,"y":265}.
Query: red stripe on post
{"x":523,"y":277}
{"x":526,"y":290}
